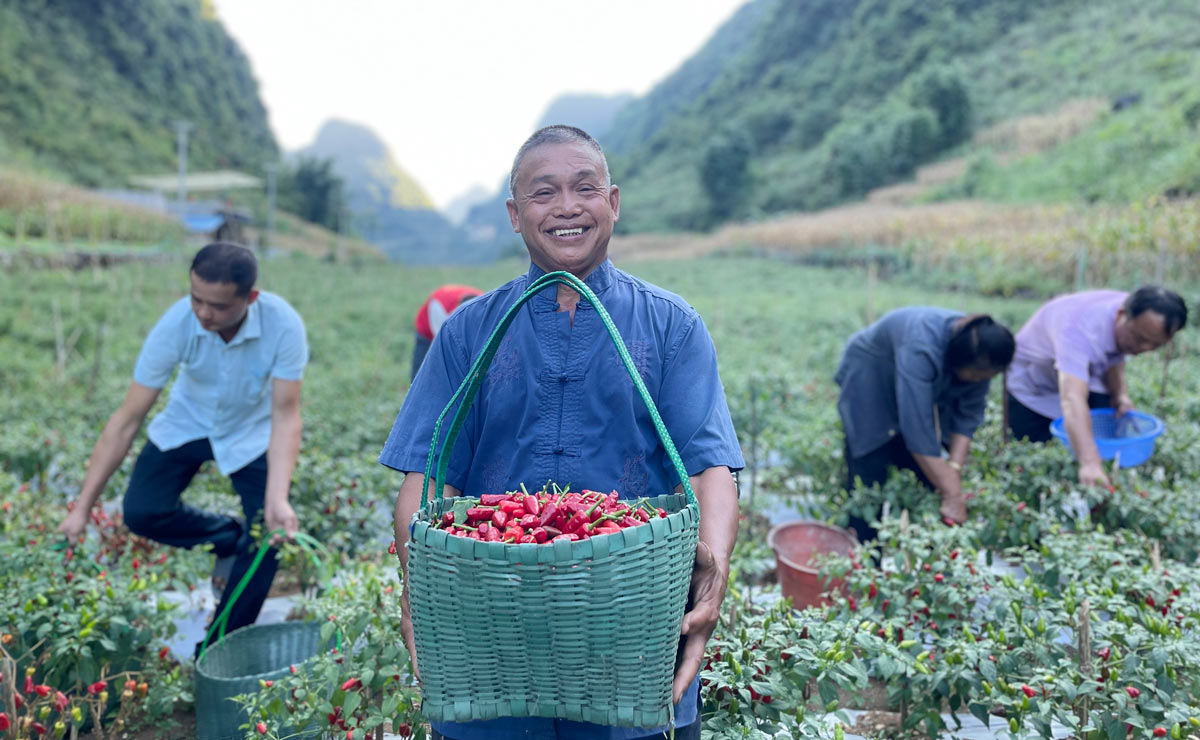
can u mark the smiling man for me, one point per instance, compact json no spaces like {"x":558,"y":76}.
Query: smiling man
{"x":1071,"y":358}
{"x":240,"y":353}
{"x":557,"y":404}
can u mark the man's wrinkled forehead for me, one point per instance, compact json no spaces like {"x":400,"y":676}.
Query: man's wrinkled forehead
{"x":549,"y":162}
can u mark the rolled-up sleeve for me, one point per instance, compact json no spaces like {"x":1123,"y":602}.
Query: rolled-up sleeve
{"x":693,"y":406}
{"x":916,"y":373}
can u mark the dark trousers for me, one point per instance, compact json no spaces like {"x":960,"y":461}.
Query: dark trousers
{"x":420,"y":349}
{"x":153,"y":510}
{"x":871,"y":469}
{"x":1025,"y":423}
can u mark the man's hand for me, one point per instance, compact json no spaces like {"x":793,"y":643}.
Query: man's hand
{"x":1122,"y":405}
{"x":75,"y":524}
{"x":708,"y":589}
{"x":1092,"y":474}
{"x":954,"y":508}
{"x":279,"y":515}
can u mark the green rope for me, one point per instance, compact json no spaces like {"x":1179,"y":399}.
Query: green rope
{"x":311,"y":547}
{"x":470,"y":385}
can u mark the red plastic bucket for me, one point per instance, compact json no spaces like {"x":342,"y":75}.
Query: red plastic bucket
{"x":795,"y":544}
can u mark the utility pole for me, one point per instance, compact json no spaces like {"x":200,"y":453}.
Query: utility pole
{"x":181,"y":142}
{"x":271,"y":169}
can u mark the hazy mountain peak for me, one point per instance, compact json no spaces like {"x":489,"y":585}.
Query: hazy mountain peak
{"x":373,"y":177}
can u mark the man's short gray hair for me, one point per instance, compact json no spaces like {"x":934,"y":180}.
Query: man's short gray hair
{"x":557,"y":134}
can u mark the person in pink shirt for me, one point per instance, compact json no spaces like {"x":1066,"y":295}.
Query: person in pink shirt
{"x":1071,"y":358}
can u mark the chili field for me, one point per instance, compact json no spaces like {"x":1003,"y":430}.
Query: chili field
{"x":1053,"y":611}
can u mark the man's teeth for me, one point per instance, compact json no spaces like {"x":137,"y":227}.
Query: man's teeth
{"x":568,"y":232}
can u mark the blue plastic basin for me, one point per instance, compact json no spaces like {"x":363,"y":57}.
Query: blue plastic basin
{"x":1136,"y":443}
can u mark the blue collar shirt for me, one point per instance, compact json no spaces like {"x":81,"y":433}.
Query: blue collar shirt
{"x":557,"y":404}
{"x":223,"y":389}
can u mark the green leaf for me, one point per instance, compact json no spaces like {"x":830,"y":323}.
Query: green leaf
{"x":981,"y":713}
{"x":353,"y":700}
{"x":390,"y":703}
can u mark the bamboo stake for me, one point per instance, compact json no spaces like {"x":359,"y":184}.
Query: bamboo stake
{"x":1084,"y":629}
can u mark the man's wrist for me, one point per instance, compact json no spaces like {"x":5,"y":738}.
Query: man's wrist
{"x":955,"y":465}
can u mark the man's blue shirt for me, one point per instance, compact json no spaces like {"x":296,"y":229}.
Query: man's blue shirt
{"x":557,"y":404}
{"x":223,"y":390}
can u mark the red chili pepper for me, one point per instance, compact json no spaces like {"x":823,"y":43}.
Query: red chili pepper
{"x":39,"y":728}
{"x":872,"y":590}
{"x":1104,"y":653}
{"x":352,"y":684}
{"x":1028,"y":690}
{"x":484,"y":527}
{"x":448,"y":518}
{"x":1160,"y":732}
{"x":884,"y":604}
{"x":492,"y":535}
{"x":939,"y":577}
{"x":480,"y":514}
{"x":1133,"y":692}
{"x":532,"y":505}
{"x":569,"y":537}
{"x":662,"y":513}
{"x":540,"y":535}
{"x":493,"y":499}
{"x":261,"y":728}
{"x":499,"y":519}
{"x":526,"y":539}
{"x":474,"y":536}
{"x":1150,"y":602}
{"x":4,"y":723}
{"x":162,"y":654}
{"x":549,"y":511}
{"x":42,"y":690}
{"x":529,"y":521}
{"x":552,"y":532}
{"x":28,"y":684}
{"x":629,"y":521}
{"x":512,"y":508}
{"x":514,"y":534}
{"x":392,"y":548}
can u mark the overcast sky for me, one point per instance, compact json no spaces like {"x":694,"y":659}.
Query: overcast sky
{"x":455,"y":86}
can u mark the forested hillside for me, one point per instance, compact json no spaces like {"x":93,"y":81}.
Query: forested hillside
{"x":801,"y":104}
{"x":90,"y":90}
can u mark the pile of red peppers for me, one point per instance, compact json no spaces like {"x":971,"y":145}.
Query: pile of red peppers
{"x":536,"y":518}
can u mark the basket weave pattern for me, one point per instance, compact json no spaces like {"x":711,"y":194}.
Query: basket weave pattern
{"x":579,"y":630}
{"x":235,"y":666}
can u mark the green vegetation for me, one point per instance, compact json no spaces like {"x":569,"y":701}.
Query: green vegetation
{"x":92,"y":92}
{"x":843,"y":97}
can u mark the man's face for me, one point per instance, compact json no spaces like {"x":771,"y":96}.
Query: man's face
{"x":217,"y":306}
{"x":563,"y":209}
{"x":1144,"y":333}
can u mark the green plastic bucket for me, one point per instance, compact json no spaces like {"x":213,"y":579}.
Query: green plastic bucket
{"x":236,"y":665}
{"x":585,"y":630}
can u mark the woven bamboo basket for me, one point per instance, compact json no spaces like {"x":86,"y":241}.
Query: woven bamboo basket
{"x":583,"y":630}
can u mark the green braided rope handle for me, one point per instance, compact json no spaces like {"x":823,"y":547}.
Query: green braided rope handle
{"x":470,"y":385}
{"x":308,"y":543}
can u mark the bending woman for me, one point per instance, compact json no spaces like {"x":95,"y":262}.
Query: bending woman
{"x":914,"y":384}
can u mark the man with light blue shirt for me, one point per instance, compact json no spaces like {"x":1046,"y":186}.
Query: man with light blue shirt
{"x":557,"y":402}
{"x":240,"y":353}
